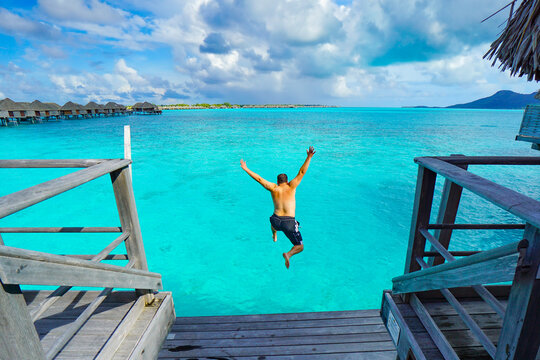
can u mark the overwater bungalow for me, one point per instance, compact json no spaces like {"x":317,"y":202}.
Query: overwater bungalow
{"x":92,"y":108}
{"x":145,"y":108}
{"x":54,"y":109}
{"x":71,"y":109}
{"x":45,"y":111}
{"x":13,"y":112}
{"x":113,"y":108}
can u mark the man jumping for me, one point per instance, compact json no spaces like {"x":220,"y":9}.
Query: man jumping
{"x":283,"y":196}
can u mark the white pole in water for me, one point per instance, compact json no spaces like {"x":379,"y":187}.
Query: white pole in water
{"x":127,"y":145}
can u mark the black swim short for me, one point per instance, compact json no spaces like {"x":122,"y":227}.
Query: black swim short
{"x":289,"y":226}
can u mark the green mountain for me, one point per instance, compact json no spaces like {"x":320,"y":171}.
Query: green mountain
{"x":504,"y":99}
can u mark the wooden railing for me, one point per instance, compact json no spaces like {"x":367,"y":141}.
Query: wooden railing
{"x":439,"y":269}
{"x":18,"y":336}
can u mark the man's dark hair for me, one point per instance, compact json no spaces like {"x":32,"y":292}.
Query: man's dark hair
{"x":282,"y":178}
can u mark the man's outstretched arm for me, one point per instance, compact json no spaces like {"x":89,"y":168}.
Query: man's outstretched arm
{"x":296,"y":181}
{"x":267,"y":184}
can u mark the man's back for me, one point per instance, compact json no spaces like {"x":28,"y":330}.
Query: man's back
{"x":283,"y":196}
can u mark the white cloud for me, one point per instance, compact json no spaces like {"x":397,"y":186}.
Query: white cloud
{"x":13,"y":24}
{"x":123,"y":84}
{"x":93,"y":11}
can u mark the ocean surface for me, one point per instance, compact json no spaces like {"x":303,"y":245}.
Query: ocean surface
{"x":205,"y":222}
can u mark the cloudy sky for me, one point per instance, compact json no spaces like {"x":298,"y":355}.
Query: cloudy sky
{"x":339,"y":52}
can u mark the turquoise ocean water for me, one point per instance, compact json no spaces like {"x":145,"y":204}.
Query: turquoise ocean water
{"x":205,"y":222}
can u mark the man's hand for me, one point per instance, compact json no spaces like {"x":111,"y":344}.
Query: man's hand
{"x":310,"y":151}
{"x":243,"y":164}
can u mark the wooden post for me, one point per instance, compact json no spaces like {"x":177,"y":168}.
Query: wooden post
{"x":520,"y":334}
{"x":127,"y":144}
{"x":451,"y":195}
{"x":18,"y":335}
{"x":127,"y":210}
{"x":423,"y":199}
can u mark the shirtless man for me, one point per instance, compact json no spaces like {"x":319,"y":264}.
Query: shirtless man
{"x":283,"y":196}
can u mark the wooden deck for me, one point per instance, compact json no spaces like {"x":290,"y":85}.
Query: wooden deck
{"x":120,"y":328}
{"x":457,"y":333}
{"x":315,"y":336}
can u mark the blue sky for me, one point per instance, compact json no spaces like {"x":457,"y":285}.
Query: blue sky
{"x":340,"y":52}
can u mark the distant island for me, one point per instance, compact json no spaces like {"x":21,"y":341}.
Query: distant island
{"x":227,"y":105}
{"x":504,"y":99}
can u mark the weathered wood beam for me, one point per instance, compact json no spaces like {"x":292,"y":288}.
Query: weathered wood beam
{"x":489,"y":160}
{"x":19,"y":266}
{"x":423,"y":199}
{"x":433,"y":330}
{"x":518,"y":204}
{"x":448,"y":208}
{"x":19,"y":200}
{"x":480,"y":290}
{"x":477,"y":226}
{"x":64,"y":229}
{"x":121,"y":332}
{"x":520,"y":334}
{"x":90,"y":257}
{"x":467,"y":319}
{"x":18,"y":336}
{"x":406,"y":339}
{"x":454,"y":253}
{"x":55,"y":295}
{"x":77,"y":324}
{"x":496,"y":265}
{"x":42,"y":163}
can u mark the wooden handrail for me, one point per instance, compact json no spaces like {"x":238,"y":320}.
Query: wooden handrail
{"x":19,"y":200}
{"x":65,"y":229}
{"x":489,"y":160}
{"x":53,"y":163}
{"x":475,"y":226}
{"x":518,"y":204}
{"x":19,"y":266}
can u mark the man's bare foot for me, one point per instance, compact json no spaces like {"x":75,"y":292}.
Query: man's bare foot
{"x":286,"y":260}
{"x":274,"y":237}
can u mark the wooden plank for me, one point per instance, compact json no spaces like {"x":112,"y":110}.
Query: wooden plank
{"x":450,"y":197}
{"x":281,"y":350}
{"x":490,"y":271}
{"x":518,"y":204}
{"x":423,"y":200}
{"x":489,"y":160}
{"x":481,"y":257}
{"x":520,"y":336}
{"x":368,"y":355}
{"x":287,"y":324}
{"x":434,"y":332}
{"x":45,"y":163}
{"x":476,"y":226}
{"x":453,"y":253}
{"x":77,"y":324}
{"x":172,"y":342}
{"x":406,"y":341}
{"x":19,"y":200}
{"x":89,"y":257}
{"x":150,"y":343}
{"x":19,"y":266}
{"x":280,"y":332}
{"x":484,"y":294}
{"x":467,"y":319}
{"x":484,"y":340}
{"x":277,"y":317}
{"x":18,"y":336}
{"x":36,"y":313}
{"x":121,"y":331}
{"x":72,"y":229}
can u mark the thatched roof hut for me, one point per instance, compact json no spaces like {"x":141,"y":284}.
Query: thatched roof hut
{"x":145,"y":106}
{"x":53,"y":106}
{"x":92,"y":107}
{"x":517,"y":48}
{"x":71,"y":108}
